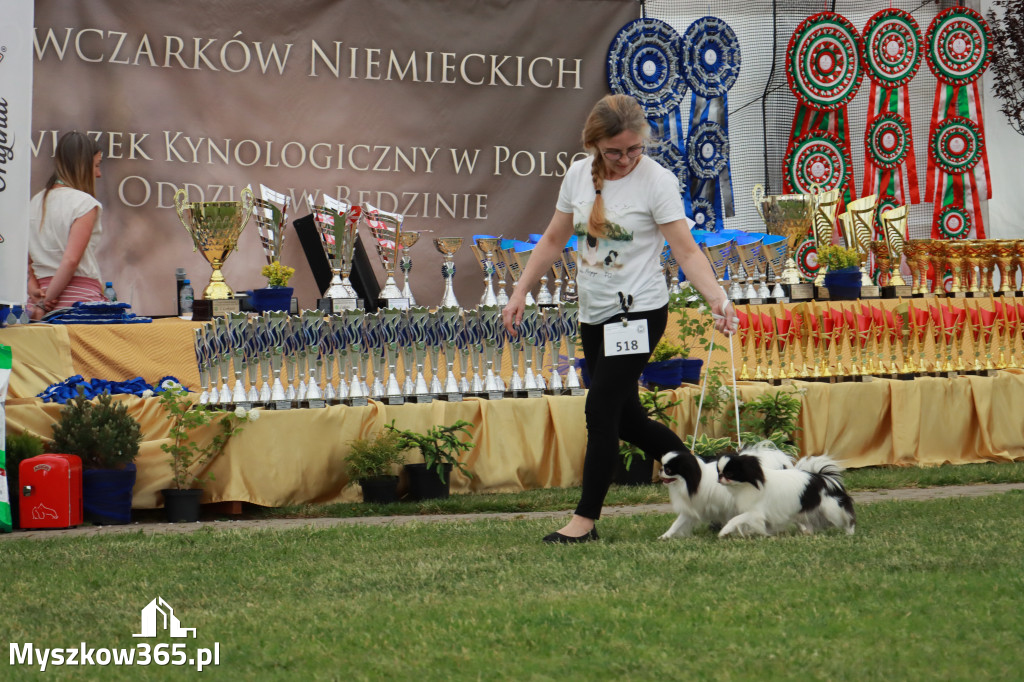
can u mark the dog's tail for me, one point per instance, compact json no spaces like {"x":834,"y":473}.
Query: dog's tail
{"x":826,"y":467}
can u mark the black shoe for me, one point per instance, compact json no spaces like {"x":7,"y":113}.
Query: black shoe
{"x":559,"y":539}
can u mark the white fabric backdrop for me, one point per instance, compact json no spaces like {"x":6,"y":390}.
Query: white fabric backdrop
{"x":1005,"y":151}
{"x":16,"y":18}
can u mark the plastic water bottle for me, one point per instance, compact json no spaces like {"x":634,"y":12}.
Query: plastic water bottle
{"x":186,"y":297}
{"x":109,"y":292}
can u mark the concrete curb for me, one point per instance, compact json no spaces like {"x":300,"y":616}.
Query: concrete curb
{"x":867,"y":497}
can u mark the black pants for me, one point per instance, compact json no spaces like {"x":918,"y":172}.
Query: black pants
{"x":614,"y":412}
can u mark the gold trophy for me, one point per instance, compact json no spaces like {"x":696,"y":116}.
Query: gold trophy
{"x":917,"y":253}
{"x":861,"y":232}
{"x":955,"y":252}
{"x":789,"y":215}
{"x":1018,"y":262}
{"x":974,"y":267}
{"x":215,"y":227}
{"x":826,"y":205}
{"x":883,"y":263}
{"x":894,"y":230}
{"x":1006,"y":265}
{"x":987,"y":266}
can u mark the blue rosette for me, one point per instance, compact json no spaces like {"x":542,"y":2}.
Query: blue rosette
{"x":643,"y":62}
{"x":711,"y":55}
{"x":711,"y":58}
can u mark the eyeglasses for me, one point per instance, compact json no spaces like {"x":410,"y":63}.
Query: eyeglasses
{"x":631,"y":153}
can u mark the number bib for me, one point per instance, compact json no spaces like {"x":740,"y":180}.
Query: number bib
{"x":628,"y":339}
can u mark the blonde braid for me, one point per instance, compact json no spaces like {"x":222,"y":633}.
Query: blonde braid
{"x":597,"y":227}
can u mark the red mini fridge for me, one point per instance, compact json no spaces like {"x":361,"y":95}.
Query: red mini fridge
{"x":50,"y":491}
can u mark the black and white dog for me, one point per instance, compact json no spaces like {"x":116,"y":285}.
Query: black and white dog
{"x":697,"y":496}
{"x":769,"y":500}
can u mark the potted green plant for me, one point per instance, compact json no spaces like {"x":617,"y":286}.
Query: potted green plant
{"x":371,"y":462}
{"x":106,"y":438}
{"x":693,"y":315}
{"x":277,"y":295}
{"x":190,"y":453}
{"x":440,"y":447}
{"x":17,"y":448}
{"x":842,"y":277}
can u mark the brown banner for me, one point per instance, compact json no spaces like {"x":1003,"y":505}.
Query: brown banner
{"x":461,"y":114}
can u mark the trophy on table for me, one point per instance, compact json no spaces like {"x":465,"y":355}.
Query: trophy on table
{"x":975,"y":261}
{"x":447,"y":246}
{"x":569,"y":263}
{"x":858,"y":231}
{"x":419,"y":321}
{"x":774,"y":248}
{"x":276,"y":324}
{"x":516,"y":262}
{"x":448,"y":334}
{"x":203,"y":362}
{"x":558,"y":268}
{"x":492,"y":336}
{"x":484,"y":249}
{"x":1004,"y":258}
{"x":747,"y":248}
{"x":336,"y":225}
{"x":571,"y":330}
{"x":789,"y":215}
{"x":719,"y":254}
{"x":502,"y":268}
{"x":826,"y":205}
{"x":407,"y":239}
{"x":313,"y":324}
{"x":214,"y":227}
{"x":352,"y":328}
{"x":271,"y":214}
{"x":894,"y":230}
{"x":237,"y":326}
{"x":386,"y":229}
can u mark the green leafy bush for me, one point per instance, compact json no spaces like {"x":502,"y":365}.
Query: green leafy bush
{"x":374,"y":457}
{"x":439,"y":446}
{"x":100,"y":432}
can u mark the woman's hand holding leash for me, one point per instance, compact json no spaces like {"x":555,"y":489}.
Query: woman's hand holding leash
{"x":724,"y":315}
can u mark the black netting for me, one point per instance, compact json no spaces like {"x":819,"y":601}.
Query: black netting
{"x":761,"y":105}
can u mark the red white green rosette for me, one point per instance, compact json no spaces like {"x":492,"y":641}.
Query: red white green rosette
{"x":824,"y":71}
{"x":891,"y":45}
{"x":887,"y":140}
{"x":885,"y":203}
{"x":807,"y":259}
{"x":816,"y":159}
{"x":823,"y":61}
{"x":958,"y":46}
{"x":956,"y":145}
{"x":959,"y":177}
{"x":892,"y":48}
{"x":954,"y":222}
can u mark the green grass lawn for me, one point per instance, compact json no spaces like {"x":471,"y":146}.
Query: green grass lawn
{"x":923,"y":590}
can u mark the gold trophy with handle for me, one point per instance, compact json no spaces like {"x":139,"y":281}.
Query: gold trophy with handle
{"x":215,"y":227}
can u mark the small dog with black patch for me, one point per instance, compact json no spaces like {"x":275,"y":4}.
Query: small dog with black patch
{"x":810,"y":495}
{"x":697,"y":496}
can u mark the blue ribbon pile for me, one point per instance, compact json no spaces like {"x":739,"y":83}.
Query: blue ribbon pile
{"x":66,"y":390}
{"x":95,"y":312}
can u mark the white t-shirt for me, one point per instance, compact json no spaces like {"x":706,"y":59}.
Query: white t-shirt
{"x":47,"y":243}
{"x":627,"y":260}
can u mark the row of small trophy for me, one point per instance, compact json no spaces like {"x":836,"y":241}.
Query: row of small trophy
{"x":972,"y":263}
{"x":837,"y":342}
{"x":788,"y":219}
{"x":215,"y":228}
{"x":417,"y":355}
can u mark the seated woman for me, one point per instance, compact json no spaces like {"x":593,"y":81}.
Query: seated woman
{"x":64,"y":229}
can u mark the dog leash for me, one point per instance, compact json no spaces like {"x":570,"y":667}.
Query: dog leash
{"x":704,"y":383}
